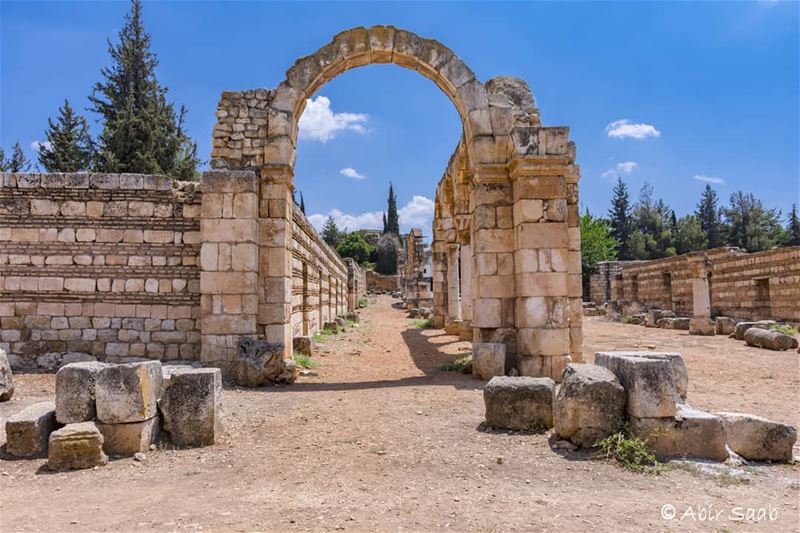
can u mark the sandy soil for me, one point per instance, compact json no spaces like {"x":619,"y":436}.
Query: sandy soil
{"x":382,"y":439}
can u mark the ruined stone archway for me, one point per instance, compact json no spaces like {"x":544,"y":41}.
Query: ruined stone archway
{"x":510,"y":188}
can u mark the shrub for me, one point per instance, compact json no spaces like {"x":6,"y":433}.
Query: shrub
{"x":303,"y":361}
{"x":785,"y":329}
{"x":422,"y":323}
{"x":362,"y":302}
{"x":462,"y":364}
{"x":629,"y":450}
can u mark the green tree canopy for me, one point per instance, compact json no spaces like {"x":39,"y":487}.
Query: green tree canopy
{"x":392,"y":219}
{"x":620,"y":219}
{"x":690,"y":235}
{"x":597,"y":243}
{"x":709,"y":217}
{"x":386,"y":253}
{"x":353,"y":245}
{"x":750,"y":225}
{"x":331,"y":233}
{"x":70,"y":147}
{"x":793,"y":228}
{"x":18,"y":161}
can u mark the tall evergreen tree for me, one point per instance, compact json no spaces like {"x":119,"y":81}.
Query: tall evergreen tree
{"x":331,"y":233}
{"x":384,"y":222}
{"x":750,"y":225}
{"x":620,"y":219}
{"x":708,"y":215}
{"x":689,"y":235}
{"x":70,"y":146}
{"x":4,"y":163}
{"x":302,"y":203}
{"x":141,"y":131}
{"x":793,"y":228}
{"x":392,"y":219}
{"x":18,"y":161}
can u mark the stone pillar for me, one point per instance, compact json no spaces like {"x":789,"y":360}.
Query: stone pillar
{"x":453,"y":290}
{"x":438,"y":258}
{"x":228,"y":262}
{"x":466,"y":283}
{"x":701,"y":323}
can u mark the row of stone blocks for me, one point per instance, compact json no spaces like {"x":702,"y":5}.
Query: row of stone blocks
{"x":118,"y":410}
{"x":645,"y":389}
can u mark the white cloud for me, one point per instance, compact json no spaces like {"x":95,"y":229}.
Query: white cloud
{"x":350,"y":172}
{"x":319,"y":123}
{"x":709,"y":179}
{"x":621,"y":168}
{"x":37,"y":145}
{"x":624,"y":128}
{"x":416,"y":213}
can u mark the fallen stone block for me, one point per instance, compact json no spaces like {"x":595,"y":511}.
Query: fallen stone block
{"x":691,"y":433}
{"x":665,"y":323}
{"x":589,"y":404}
{"x":303,"y":345}
{"x":258,"y":362}
{"x":27,"y":431}
{"x":191,"y":406}
{"x":488,"y":359}
{"x":77,"y":357}
{"x":652,"y":317}
{"x":649,"y":382}
{"x":522,"y":403}
{"x":742,"y":327}
{"x":758,"y":439}
{"x":76,"y":446}
{"x":679,"y":370}
{"x":352,"y":317}
{"x":331,"y":326}
{"x":681,"y":323}
{"x":6,"y":378}
{"x":702,"y":326}
{"x":128,"y":392}
{"x":75,"y":392}
{"x":128,"y":439}
{"x":724,"y":325}
{"x":771,"y":340}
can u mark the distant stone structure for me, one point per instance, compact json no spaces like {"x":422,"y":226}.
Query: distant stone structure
{"x":417,"y":288}
{"x":718,"y":282}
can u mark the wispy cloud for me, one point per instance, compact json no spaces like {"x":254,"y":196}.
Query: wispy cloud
{"x":709,"y":179}
{"x":621,"y":168}
{"x":350,"y":172}
{"x":38,"y":145}
{"x":418,"y":212}
{"x":625,"y":129}
{"x":320,"y":123}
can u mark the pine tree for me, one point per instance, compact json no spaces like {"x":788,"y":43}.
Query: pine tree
{"x":708,"y":215}
{"x":70,"y":146}
{"x":302,"y":203}
{"x":392,"y":219}
{"x":750,"y":225}
{"x":331,"y":233}
{"x":793,"y":228}
{"x":4,"y":166}
{"x":18,"y":161}
{"x":620,"y":215}
{"x":141,"y":131}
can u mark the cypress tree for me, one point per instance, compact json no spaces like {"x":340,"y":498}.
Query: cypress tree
{"x":392,"y":219}
{"x":141,"y":131}
{"x":620,"y":219}
{"x":4,"y":166}
{"x":18,"y":161}
{"x":302,"y":203}
{"x":70,"y":146}
{"x":708,"y":215}
{"x":793,"y":228}
{"x":384,"y":222}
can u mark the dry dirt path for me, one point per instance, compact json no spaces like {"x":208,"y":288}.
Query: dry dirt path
{"x":384,"y":440}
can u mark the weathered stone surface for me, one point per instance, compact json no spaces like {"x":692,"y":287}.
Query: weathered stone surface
{"x":191,"y":406}
{"x":758,"y":439}
{"x":6,"y":378}
{"x":303,"y":345}
{"x":27,"y":431}
{"x":76,"y":446}
{"x":742,"y":327}
{"x":681,"y":323}
{"x":691,"y":433}
{"x":665,"y":323}
{"x":771,"y":340}
{"x":589,"y":404}
{"x":649,"y":382}
{"x":75,"y":392}
{"x":724,"y":325}
{"x":128,"y":392}
{"x":679,"y":370}
{"x":652,"y":317}
{"x":167,"y":369}
{"x":519,"y":403}
{"x":258,"y":362}
{"x":128,"y":439}
{"x":702,"y":326}
{"x":488,"y":359}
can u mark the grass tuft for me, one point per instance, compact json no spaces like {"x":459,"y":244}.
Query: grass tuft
{"x":304,"y":361}
{"x":422,"y":323}
{"x":630,"y":451}
{"x":462,"y":364}
{"x":785,"y":329}
{"x":362,"y":303}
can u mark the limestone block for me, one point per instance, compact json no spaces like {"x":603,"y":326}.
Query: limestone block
{"x":679,"y":370}
{"x":128,"y":392}
{"x":488,"y":359}
{"x":691,"y":433}
{"x":724,"y":325}
{"x":758,"y":439}
{"x":589,"y":405}
{"x":75,"y":391}
{"x":771,"y":340}
{"x":258,"y":362}
{"x":652,"y":317}
{"x":681,"y":323}
{"x":76,"y":446}
{"x":191,"y":406}
{"x":303,"y":345}
{"x":6,"y":378}
{"x":702,"y":326}
{"x":128,"y":439}
{"x":665,"y":323}
{"x":519,"y":403}
{"x":742,"y":327}
{"x":28,"y":430}
{"x":649,"y":383}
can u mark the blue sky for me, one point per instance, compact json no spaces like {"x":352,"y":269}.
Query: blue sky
{"x":709,"y":90}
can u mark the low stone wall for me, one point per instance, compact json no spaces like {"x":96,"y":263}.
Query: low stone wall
{"x":382,"y":282}
{"x":741,"y":285}
{"x":105,"y":264}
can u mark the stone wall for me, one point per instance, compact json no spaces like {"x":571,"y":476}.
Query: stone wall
{"x":745,"y":286}
{"x":319,"y":279}
{"x":417,"y":288}
{"x":382,"y":282}
{"x":104,"y":264}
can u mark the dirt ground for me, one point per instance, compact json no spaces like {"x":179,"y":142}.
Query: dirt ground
{"x":382,"y":439}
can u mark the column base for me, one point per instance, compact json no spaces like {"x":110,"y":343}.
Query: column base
{"x":453,"y":327}
{"x":702,"y":326}
{"x":465,"y":331}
